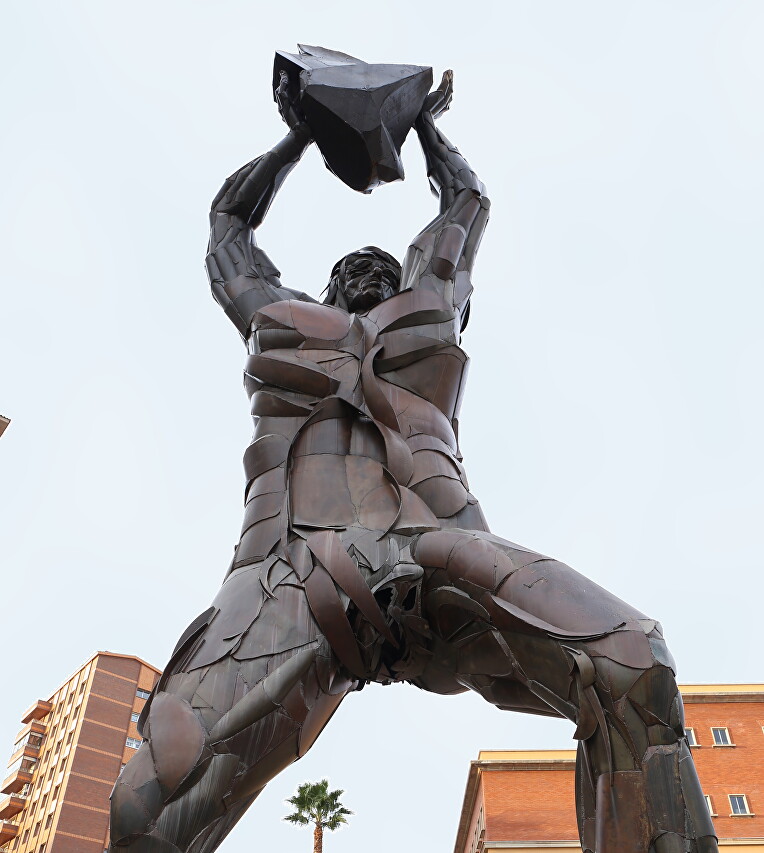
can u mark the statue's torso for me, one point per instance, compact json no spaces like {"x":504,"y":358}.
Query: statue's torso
{"x":356,"y":420}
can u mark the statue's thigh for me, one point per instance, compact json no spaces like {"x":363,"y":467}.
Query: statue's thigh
{"x":473,"y":650}
{"x":518,"y":586}
{"x":515,"y":625}
{"x":230,"y":713}
{"x":260,"y":675}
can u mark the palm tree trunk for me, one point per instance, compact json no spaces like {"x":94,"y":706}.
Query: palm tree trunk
{"x":318,"y":839}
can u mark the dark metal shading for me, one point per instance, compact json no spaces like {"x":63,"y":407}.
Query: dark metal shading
{"x":359,"y":113}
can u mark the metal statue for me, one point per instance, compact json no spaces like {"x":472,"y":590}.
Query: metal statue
{"x":363,"y":555}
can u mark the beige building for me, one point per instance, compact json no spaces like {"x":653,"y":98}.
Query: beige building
{"x":524,"y":801}
{"x":63,"y":764}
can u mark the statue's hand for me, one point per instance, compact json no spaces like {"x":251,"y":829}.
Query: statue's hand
{"x":439,"y":100}
{"x":288,"y":103}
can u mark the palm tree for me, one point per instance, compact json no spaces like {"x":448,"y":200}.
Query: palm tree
{"x":315,"y":803}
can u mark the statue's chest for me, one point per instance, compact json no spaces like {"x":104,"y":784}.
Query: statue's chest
{"x":314,"y":351}
{"x":305,"y":349}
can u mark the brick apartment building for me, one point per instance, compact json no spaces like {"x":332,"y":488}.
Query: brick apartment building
{"x":63,"y":764}
{"x":524,"y":801}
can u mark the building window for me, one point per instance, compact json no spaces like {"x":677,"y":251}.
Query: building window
{"x":134,"y":717}
{"x":721,"y":736}
{"x":689,"y":733}
{"x":142,"y":694}
{"x":710,"y":806}
{"x":49,"y":821}
{"x":739,"y":804}
{"x":133,"y":743}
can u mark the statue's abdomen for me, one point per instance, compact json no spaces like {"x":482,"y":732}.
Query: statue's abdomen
{"x":354,"y":428}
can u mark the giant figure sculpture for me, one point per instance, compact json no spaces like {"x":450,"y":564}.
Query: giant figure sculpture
{"x":363,"y":556}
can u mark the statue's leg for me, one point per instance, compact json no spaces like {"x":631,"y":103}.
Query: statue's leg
{"x":529,"y":633}
{"x":247,"y":691}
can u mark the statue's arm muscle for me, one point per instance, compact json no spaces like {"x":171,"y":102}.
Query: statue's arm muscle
{"x":242,"y":277}
{"x":445,"y":250}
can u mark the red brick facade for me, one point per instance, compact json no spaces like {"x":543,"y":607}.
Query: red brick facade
{"x":551,"y":793}
{"x":528,"y":796}
{"x":737,"y":769}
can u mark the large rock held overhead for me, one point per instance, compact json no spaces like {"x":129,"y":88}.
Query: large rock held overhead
{"x":360,"y":113}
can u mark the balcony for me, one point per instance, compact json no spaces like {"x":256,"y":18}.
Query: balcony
{"x":11,"y":806}
{"x":8,"y":831}
{"x":37,"y":728}
{"x":27,"y":750}
{"x":16,"y":781}
{"x":33,"y":728}
{"x":37,"y":711}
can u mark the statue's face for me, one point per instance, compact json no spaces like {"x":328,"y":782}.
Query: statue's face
{"x":366,"y":280}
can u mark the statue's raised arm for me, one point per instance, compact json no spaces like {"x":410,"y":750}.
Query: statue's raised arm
{"x":242,"y":277}
{"x":443,"y":254}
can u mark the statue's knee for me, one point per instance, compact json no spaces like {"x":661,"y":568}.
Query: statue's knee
{"x":177,"y":741}
{"x":136,"y":799}
{"x":175,"y":747}
{"x":638,"y":668}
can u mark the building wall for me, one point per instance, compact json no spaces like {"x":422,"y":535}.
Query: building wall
{"x":529,"y":804}
{"x":475,"y":829}
{"x":82,"y":752}
{"x":528,"y":797}
{"x":737,"y":769}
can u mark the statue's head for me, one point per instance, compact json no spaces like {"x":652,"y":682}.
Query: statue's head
{"x":363,"y":279}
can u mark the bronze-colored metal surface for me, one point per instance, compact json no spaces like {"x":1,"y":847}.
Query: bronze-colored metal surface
{"x":363,"y":556}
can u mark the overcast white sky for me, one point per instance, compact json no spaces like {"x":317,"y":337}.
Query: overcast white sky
{"x":614,"y":416}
